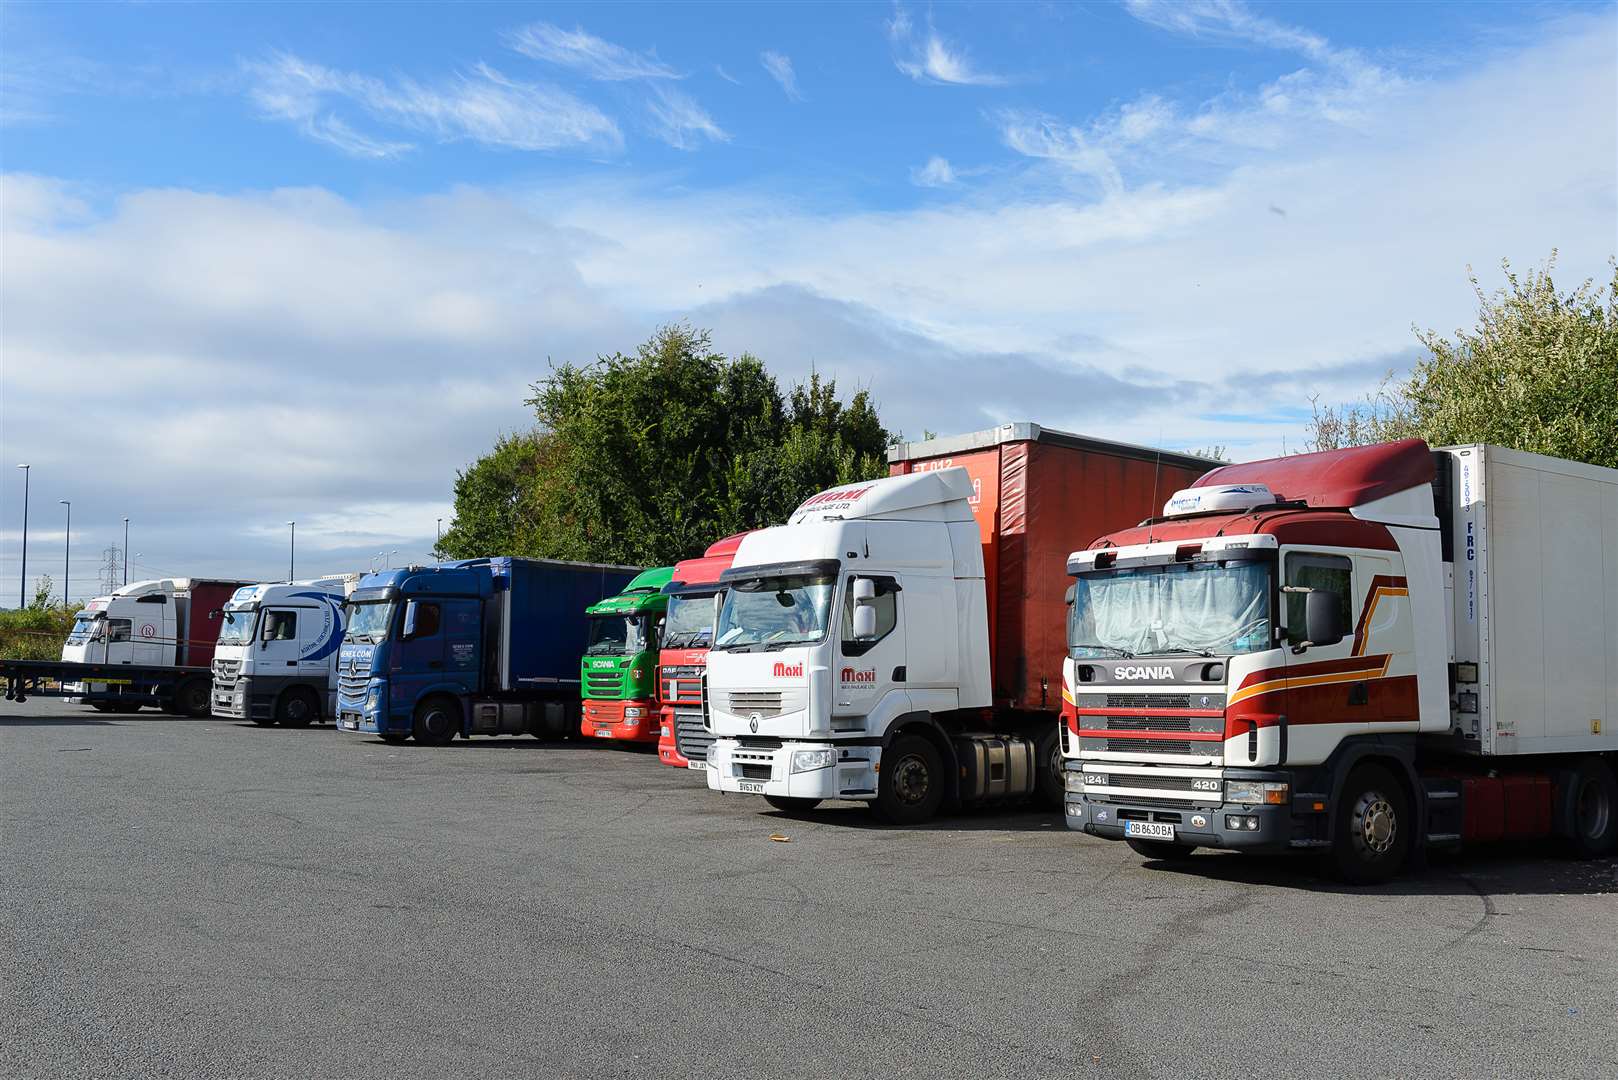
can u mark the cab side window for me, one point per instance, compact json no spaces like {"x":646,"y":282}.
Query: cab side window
{"x":280,"y":625}
{"x":427,"y":619}
{"x":887,"y":614}
{"x":1332,"y":574}
{"x":118,"y":629}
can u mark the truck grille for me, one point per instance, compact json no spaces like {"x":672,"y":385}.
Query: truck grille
{"x":353,"y":686}
{"x":1147,"y":746}
{"x":763,"y":702}
{"x":1148,"y":701}
{"x":603,"y":684}
{"x":225,"y":673}
{"x":691,"y":735}
{"x":1148,"y":723}
{"x":682,"y":684}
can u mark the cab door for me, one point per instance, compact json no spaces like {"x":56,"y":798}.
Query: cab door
{"x":278,"y":641}
{"x":463,"y":633}
{"x":152,"y":633}
{"x":420,"y":653}
{"x":869,"y":668}
{"x":1327,"y":693}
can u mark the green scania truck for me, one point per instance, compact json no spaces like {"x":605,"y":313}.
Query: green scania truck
{"x":618,"y":672}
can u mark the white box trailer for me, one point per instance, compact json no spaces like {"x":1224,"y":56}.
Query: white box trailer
{"x":1535,"y":612}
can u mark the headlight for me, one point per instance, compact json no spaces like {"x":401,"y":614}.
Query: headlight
{"x":1253,"y":791}
{"x":1072,"y":781}
{"x":810,"y":760}
{"x":634,"y":712}
{"x":713,"y":753}
{"x":663,"y":732}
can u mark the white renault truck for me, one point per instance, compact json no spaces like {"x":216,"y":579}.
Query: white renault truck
{"x":158,"y":634}
{"x":899,"y":641}
{"x":1361,"y":653}
{"x":276,"y":661}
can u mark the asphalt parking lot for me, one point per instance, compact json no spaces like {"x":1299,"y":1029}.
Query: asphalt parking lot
{"x":209,"y":899}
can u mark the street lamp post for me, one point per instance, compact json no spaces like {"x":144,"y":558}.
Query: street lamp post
{"x":292,"y":551}
{"x":67,"y":549}
{"x":22,"y":575}
{"x":126,"y":551}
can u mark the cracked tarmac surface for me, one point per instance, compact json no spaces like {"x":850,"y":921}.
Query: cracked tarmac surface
{"x":209,"y":899}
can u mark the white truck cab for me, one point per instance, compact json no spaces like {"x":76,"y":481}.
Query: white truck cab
{"x":276,"y":659}
{"x":851,"y":657}
{"x":134,"y":625}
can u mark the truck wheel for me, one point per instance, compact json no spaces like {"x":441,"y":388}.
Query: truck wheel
{"x":437,"y":721}
{"x":1161,"y":850}
{"x":1371,"y":839}
{"x":192,"y":699}
{"x":1048,"y":785}
{"x":910,"y":787}
{"x":297,"y":708}
{"x":1594,"y":817}
{"x":126,"y":707}
{"x":788,"y":805}
{"x":264,"y":721}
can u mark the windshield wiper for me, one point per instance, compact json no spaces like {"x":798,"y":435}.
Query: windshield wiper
{"x":1122,"y":653}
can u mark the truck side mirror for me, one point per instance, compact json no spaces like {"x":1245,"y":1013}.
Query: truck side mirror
{"x":1323,"y":618}
{"x":1068,"y":597}
{"x":409,"y":629}
{"x":864,"y":609}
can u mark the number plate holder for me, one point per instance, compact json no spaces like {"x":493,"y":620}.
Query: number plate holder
{"x":751,"y":787}
{"x":1150,"y":830}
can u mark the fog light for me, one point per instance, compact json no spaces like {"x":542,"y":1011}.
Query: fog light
{"x":1074,"y":810}
{"x":1241,"y":822}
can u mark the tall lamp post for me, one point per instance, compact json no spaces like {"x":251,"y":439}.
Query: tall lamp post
{"x":67,"y":549}
{"x":126,"y":551}
{"x":292,"y":551}
{"x":22,"y":575}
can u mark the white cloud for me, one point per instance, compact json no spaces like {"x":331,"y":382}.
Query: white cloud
{"x":481,"y":106}
{"x":779,"y":66}
{"x":938,"y":172}
{"x":587,"y":54}
{"x":680,"y":121}
{"x":719,"y":70}
{"x":927,"y":57}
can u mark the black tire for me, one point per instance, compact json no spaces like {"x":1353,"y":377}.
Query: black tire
{"x":126,"y":707}
{"x":1161,"y":850}
{"x":102,"y":706}
{"x":264,"y":721}
{"x":191,"y":699}
{"x":437,"y":721}
{"x":1592,"y":810}
{"x":1048,"y":788}
{"x":1373,"y":828}
{"x":910,"y":788}
{"x":789,"y":805}
{"x":297,"y":708}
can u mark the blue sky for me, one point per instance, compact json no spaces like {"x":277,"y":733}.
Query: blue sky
{"x":318,"y":252}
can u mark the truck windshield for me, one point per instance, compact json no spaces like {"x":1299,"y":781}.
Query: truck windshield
{"x":86,"y":628}
{"x":689,"y":622}
{"x":1201,"y":608}
{"x":618,"y":635}
{"x":236,"y":627}
{"x":774,"y":612}
{"x":369,"y":620}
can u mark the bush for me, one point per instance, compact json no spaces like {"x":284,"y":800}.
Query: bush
{"x":35,"y":633}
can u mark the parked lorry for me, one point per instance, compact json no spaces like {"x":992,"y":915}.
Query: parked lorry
{"x":900,"y":641}
{"x":683,"y":735}
{"x":477,"y":647}
{"x":618,"y":671}
{"x":147,"y":643}
{"x":276,"y":658}
{"x":1364,"y":653}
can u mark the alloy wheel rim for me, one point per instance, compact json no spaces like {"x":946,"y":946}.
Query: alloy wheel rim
{"x":910,"y":779}
{"x":1376,"y":824}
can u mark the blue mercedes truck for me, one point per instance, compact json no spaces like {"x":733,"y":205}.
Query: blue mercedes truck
{"x":478,"y":647}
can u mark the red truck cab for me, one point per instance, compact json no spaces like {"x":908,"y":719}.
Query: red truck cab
{"x":683,"y":735}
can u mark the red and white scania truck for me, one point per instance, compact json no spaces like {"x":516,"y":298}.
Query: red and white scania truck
{"x":683,"y":735}
{"x":900,"y":641}
{"x":1362,"y":652}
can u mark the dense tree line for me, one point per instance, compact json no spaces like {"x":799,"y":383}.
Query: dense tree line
{"x":647,"y":458}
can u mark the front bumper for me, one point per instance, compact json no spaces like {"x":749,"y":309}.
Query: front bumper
{"x":1278,"y":828}
{"x":612,"y":720}
{"x":368,"y":715}
{"x":756,"y":770}
{"x":236,"y":700}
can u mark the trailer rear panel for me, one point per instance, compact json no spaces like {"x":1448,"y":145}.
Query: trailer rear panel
{"x":1038,"y":495}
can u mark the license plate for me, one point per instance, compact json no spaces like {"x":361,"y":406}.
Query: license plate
{"x":1149,"y":830}
{"x":696,"y":764}
{"x":603,"y":732}
{"x":751,"y":787}
{"x":352,"y":723}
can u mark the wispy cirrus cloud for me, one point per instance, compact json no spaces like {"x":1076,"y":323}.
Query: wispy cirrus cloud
{"x":779,"y":65}
{"x":587,"y":54}
{"x":927,"y":57}
{"x":481,"y":106}
{"x":678,"y":120}
{"x":937,"y":173}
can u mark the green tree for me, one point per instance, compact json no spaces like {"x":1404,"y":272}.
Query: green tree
{"x":1539,"y":372}
{"x":647,"y":458}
